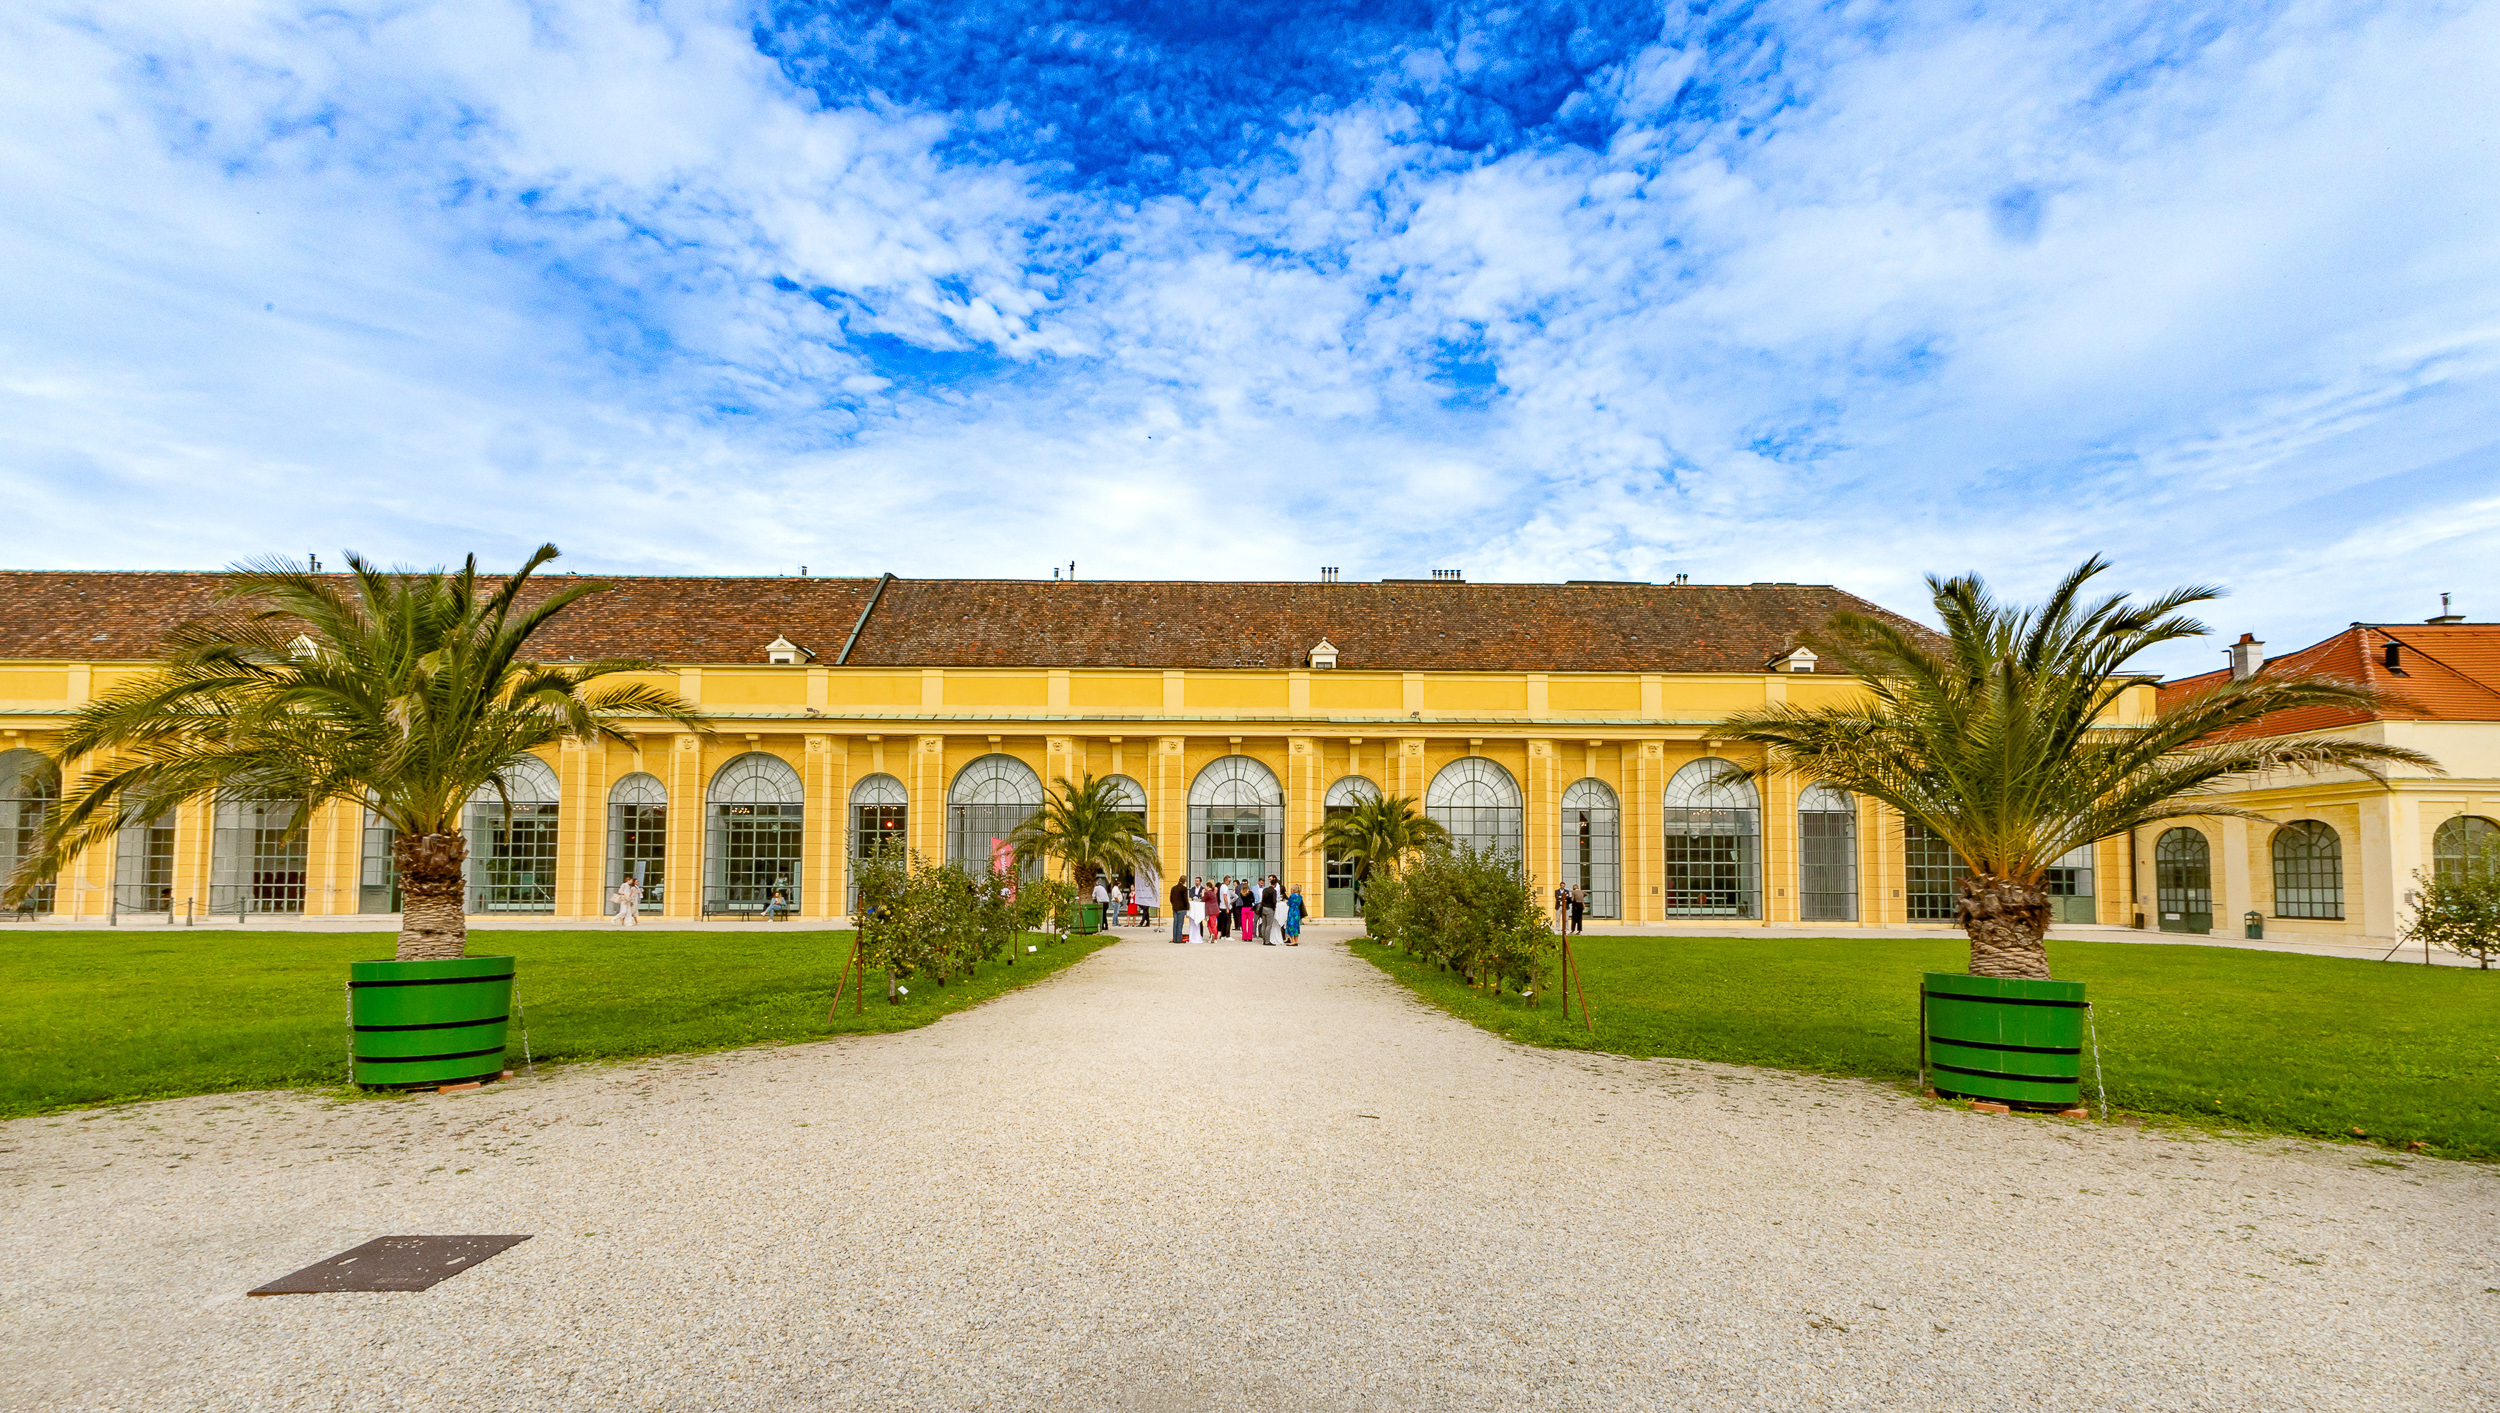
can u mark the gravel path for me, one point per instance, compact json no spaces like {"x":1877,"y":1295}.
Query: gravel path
{"x":1228,"y":1177}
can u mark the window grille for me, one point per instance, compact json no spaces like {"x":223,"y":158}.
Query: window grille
{"x":753,"y":836}
{"x":256,"y":858}
{"x":2463,"y":847}
{"x":1592,"y":845}
{"x":29,"y":784}
{"x":143,"y":865}
{"x":1478,"y":803}
{"x":880,"y":818}
{"x":1931,"y":870}
{"x":1827,"y":855}
{"x":377,"y":880}
{"x":2071,"y":875}
{"x":512,"y":853}
{"x":637,"y":842}
{"x":990,"y":798}
{"x":1713,"y":842}
{"x":1337,"y":874}
{"x":1236,"y":820}
{"x":2183,"y":877}
{"x":2308,"y":870}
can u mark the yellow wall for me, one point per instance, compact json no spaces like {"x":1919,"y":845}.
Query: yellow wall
{"x":836,"y":726}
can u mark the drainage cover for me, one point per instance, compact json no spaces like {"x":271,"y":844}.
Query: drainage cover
{"x":392,"y":1263}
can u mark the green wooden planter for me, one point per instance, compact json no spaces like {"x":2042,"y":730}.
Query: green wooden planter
{"x":2015,"y":1042}
{"x":420,"y":1023}
{"x":1089,"y":917}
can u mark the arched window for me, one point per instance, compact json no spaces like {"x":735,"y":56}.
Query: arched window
{"x":1478,"y":802}
{"x":1713,"y":842}
{"x":880,"y":819}
{"x":256,"y":857}
{"x":1592,"y":845}
{"x":989,"y":798}
{"x":1337,"y":874}
{"x":143,"y":865}
{"x":29,"y":784}
{"x":2183,"y":880}
{"x":512,"y":858}
{"x":638,"y":841}
{"x":2467,"y":846}
{"x":2308,"y":870}
{"x":1931,"y":871}
{"x":1236,"y":820}
{"x":753,"y":831}
{"x":1827,"y":855}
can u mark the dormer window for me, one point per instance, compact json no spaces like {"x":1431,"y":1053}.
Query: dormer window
{"x":781,"y":652}
{"x":1324,"y":656}
{"x":1798,"y":660}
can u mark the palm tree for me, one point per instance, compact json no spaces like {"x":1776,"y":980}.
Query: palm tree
{"x":2004,"y":739}
{"x":1090,"y":828}
{"x":402,"y":692}
{"x":1377,"y":834}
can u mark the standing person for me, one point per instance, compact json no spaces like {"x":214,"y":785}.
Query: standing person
{"x":1579,"y":909}
{"x":629,"y":902}
{"x":1265,"y":928}
{"x":1180,"y":909}
{"x":1224,"y":908}
{"x":1102,"y":901}
{"x":1562,"y":908}
{"x":1246,"y":905}
{"x":1210,"y":909}
{"x":1293,"y":917}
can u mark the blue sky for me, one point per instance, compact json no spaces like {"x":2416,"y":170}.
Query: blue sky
{"x":1819,"y":292}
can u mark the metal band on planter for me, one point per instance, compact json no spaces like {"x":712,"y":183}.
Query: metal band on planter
{"x":425,"y":1023}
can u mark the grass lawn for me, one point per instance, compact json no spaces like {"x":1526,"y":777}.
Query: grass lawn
{"x":95,"y":1017}
{"x":2310,"y":1045}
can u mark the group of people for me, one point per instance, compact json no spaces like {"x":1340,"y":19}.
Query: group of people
{"x":1261,"y":910}
{"x":1571,"y":908}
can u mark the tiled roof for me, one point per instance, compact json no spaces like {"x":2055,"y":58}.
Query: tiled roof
{"x":2444,"y":672}
{"x":1416,"y":627}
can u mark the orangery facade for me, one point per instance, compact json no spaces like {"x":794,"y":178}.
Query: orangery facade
{"x":1570,"y":722}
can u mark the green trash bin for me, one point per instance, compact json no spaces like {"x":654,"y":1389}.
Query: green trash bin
{"x":1089,"y":917}
{"x":2254,"y":925}
{"x":2003,"y":1039}
{"x":437,"y":1022}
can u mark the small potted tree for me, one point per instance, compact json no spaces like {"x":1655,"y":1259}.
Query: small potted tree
{"x":2003,"y":737}
{"x":400,"y":692}
{"x":1090,"y":829}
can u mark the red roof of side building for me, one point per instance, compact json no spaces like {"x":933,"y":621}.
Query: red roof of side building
{"x":2442,"y":672}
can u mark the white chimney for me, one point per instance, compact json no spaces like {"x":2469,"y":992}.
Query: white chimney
{"x":2247,"y":655}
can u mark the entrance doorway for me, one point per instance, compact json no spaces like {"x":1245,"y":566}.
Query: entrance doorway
{"x":2183,"y":881}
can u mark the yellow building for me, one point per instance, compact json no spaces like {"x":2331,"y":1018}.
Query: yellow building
{"x":1570,"y":721}
{"x":2337,"y":854}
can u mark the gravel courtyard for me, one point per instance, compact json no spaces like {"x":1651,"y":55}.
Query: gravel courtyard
{"x":1228,"y":1177}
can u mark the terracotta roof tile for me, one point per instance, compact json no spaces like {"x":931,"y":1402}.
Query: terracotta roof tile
{"x":2443,"y":672}
{"x":1414,"y":627}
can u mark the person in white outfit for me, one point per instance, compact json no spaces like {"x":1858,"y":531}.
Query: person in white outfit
{"x":1197,"y":916}
{"x":629,"y":902}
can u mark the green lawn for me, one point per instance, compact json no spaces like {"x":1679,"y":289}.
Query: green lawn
{"x":2311,"y":1045}
{"x":135,"y":1013}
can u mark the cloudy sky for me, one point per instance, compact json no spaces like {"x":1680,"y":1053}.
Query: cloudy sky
{"x":1831,"y":292}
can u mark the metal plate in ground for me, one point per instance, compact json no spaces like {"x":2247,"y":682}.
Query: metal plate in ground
{"x":392,"y":1263}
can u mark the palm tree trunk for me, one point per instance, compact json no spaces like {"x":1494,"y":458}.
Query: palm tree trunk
{"x":431,"y":923}
{"x":2006,"y":918}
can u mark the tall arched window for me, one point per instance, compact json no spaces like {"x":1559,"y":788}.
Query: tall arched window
{"x":1128,"y":799}
{"x":1478,"y":802}
{"x":1931,"y":872}
{"x":1236,"y":820}
{"x":1827,"y":855}
{"x":512,"y":858}
{"x":638,"y":841}
{"x":1592,"y":845}
{"x":377,"y":878}
{"x":880,"y":819}
{"x":753,"y":832}
{"x":1337,"y":881}
{"x":29,"y":784}
{"x":143,"y":865}
{"x":2183,"y":880}
{"x":2467,"y":846}
{"x":2308,"y":870}
{"x":256,"y":857}
{"x":989,"y":798}
{"x":1713,"y":842}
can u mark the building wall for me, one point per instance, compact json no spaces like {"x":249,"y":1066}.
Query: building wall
{"x":835,"y":727}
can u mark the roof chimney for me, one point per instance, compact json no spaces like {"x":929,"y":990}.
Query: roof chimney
{"x":2444,"y":615}
{"x":2247,"y":655}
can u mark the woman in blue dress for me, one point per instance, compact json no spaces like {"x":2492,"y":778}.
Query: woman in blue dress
{"x":1293,"y":917}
